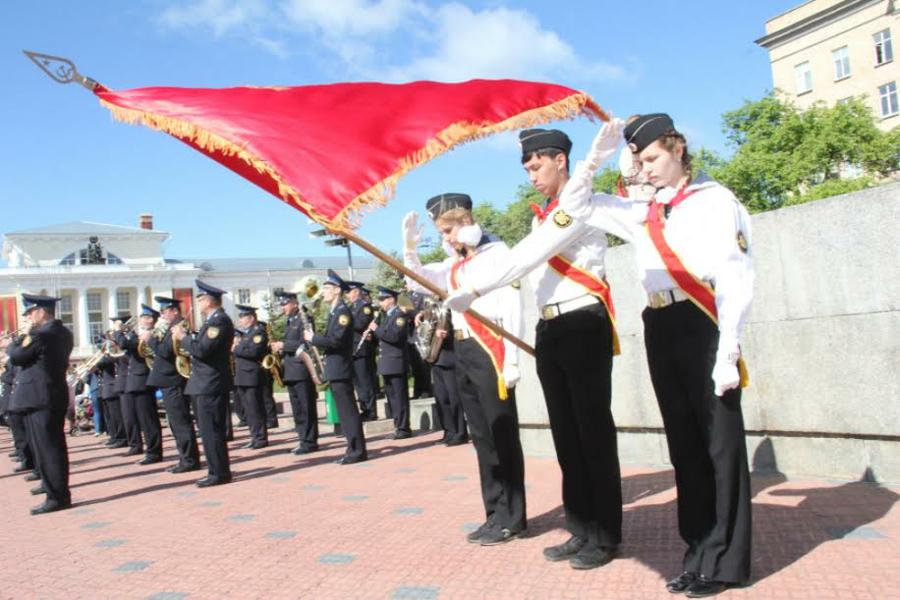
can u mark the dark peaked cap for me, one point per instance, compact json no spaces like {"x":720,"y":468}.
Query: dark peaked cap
{"x":532,"y":140}
{"x":32,"y":301}
{"x":443,"y":202}
{"x":166,"y":302}
{"x":646,"y":129}
{"x":209,"y":290}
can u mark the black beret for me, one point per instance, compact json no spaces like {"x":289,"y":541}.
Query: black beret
{"x":646,"y":129}
{"x":443,"y":202}
{"x":532,"y":140}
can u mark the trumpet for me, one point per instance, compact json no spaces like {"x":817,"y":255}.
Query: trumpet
{"x":88,"y":365}
{"x":14,"y":334}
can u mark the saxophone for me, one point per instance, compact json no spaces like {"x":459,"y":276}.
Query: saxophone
{"x":272,"y":361}
{"x":309,"y":354}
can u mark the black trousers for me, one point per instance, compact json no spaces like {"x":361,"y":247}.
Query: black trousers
{"x":251,"y":398}
{"x":148,"y":419}
{"x":104,"y":415}
{"x":21,"y":439}
{"x":446,"y":393}
{"x":269,"y":402}
{"x":351,"y":423}
{"x":178,"y":414}
{"x":239,"y":409}
{"x":573,"y":353}
{"x":305,"y":411}
{"x":115,"y":426}
{"x":362,"y":383}
{"x":211,"y":413}
{"x":130,"y":420}
{"x":421,"y":373}
{"x":494,"y":429}
{"x":47,"y":436}
{"x":227,"y":411}
{"x":706,"y":441}
{"x":397,"y":392}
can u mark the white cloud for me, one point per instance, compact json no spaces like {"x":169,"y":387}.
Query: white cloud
{"x":350,"y":18}
{"x":222,"y":16}
{"x":492,"y":43}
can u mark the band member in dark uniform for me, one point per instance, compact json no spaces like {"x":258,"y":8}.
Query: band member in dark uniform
{"x":446,"y":390}
{"x":361,"y":310}
{"x":106,"y":368}
{"x":42,"y":393}
{"x":249,"y":349}
{"x":22,"y":449}
{"x":297,"y":378}
{"x":126,"y":400}
{"x":268,"y":391}
{"x":337,"y":344}
{"x":393,"y":359}
{"x":211,"y":380}
{"x":143,"y":396}
{"x":166,"y":377}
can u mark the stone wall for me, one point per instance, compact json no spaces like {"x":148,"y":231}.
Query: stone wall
{"x":821,"y":345}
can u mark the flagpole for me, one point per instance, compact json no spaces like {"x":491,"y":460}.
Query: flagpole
{"x":442,"y":294}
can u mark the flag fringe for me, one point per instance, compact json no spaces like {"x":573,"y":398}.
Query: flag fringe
{"x":378,"y":195}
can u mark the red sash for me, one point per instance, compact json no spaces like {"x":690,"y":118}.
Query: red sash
{"x":591,"y":283}
{"x":490,"y":341}
{"x":699,"y":292}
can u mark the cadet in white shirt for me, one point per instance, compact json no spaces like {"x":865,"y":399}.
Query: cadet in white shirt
{"x":692,"y":242}
{"x":486,"y":364}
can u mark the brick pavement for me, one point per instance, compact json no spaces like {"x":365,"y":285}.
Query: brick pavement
{"x":303,"y":527}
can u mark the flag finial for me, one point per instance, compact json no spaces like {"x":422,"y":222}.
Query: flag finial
{"x":61,"y":70}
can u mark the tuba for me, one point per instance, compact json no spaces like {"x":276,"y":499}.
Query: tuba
{"x":434,"y":317}
{"x":182,"y":356}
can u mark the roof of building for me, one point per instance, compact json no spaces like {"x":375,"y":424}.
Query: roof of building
{"x":85,"y":228}
{"x":275,"y":264}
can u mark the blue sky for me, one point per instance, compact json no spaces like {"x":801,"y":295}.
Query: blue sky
{"x":64,"y":159}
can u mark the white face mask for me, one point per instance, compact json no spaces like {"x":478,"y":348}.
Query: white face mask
{"x":469,"y":235}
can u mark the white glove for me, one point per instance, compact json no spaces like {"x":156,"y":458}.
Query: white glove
{"x":460,"y":300}
{"x":511,"y":375}
{"x":411,"y":231}
{"x":725,"y":373}
{"x":605,"y":143}
{"x":576,"y":195}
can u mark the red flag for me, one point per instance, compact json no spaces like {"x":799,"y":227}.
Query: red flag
{"x":331,"y":150}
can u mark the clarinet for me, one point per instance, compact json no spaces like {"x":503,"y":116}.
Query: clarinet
{"x":366,"y":334}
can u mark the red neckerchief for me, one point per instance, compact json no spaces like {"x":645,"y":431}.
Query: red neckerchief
{"x":541,"y":213}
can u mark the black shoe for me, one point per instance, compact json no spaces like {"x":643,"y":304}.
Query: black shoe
{"x":475,"y":536}
{"x":681,"y":583}
{"x":182,"y":468}
{"x":567,"y":549}
{"x":303,"y":450}
{"x":401,"y":435}
{"x":591,"y":557}
{"x":259,"y":445}
{"x":13,"y":454}
{"x":272,"y":425}
{"x":212,"y":480}
{"x":149,"y":460}
{"x":21,"y":468}
{"x":703,"y":587}
{"x":38,"y":490}
{"x":499,"y":535}
{"x":119,"y":444}
{"x":49,"y":506}
{"x":247,"y":446}
{"x":241,"y":424}
{"x":456,"y":442}
{"x":134,"y":452}
{"x":32,"y":477}
{"x":349,"y":460}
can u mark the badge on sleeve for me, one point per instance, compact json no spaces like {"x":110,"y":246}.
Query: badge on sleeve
{"x":401,"y":321}
{"x":343,"y":320}
{"x":742,"y":242}
{"x":562,"y":219}
{"x":367,"y":310}
{"x":516,"y":284}
{"x":212,"y":333}
{"x":257,"y":339}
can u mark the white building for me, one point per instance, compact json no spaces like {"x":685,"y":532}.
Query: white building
{"x":102,"y":270}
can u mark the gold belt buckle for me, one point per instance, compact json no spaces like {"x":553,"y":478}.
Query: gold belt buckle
{"x":658,"y":300}
{"x":548,"y":313}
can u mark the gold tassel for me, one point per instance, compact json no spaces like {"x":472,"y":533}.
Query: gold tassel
{"x":501,"y":387}
{"x":743,"y":372}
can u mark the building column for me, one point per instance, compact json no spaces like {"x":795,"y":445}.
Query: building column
{"x":111,"y":310}
{"x":84,"y":339}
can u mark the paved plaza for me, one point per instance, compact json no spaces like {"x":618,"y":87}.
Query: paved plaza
{"x":394,"y":527}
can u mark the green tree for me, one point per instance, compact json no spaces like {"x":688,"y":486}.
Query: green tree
{"x":782,"y":154}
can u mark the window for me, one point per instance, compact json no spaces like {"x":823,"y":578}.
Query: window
{"x":884,"y":50}
{"x":68,"y":260}
{"x":123,"y":302}
{"x":888,"y":94}
{"x":277,"y":291}
{"x":112,"y":259}
{"x":242,"y":296}
{"x":841,"y":60}
{"x":65,"y":311}
{"x":95,"y":315}
{"x":803,"y":78}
